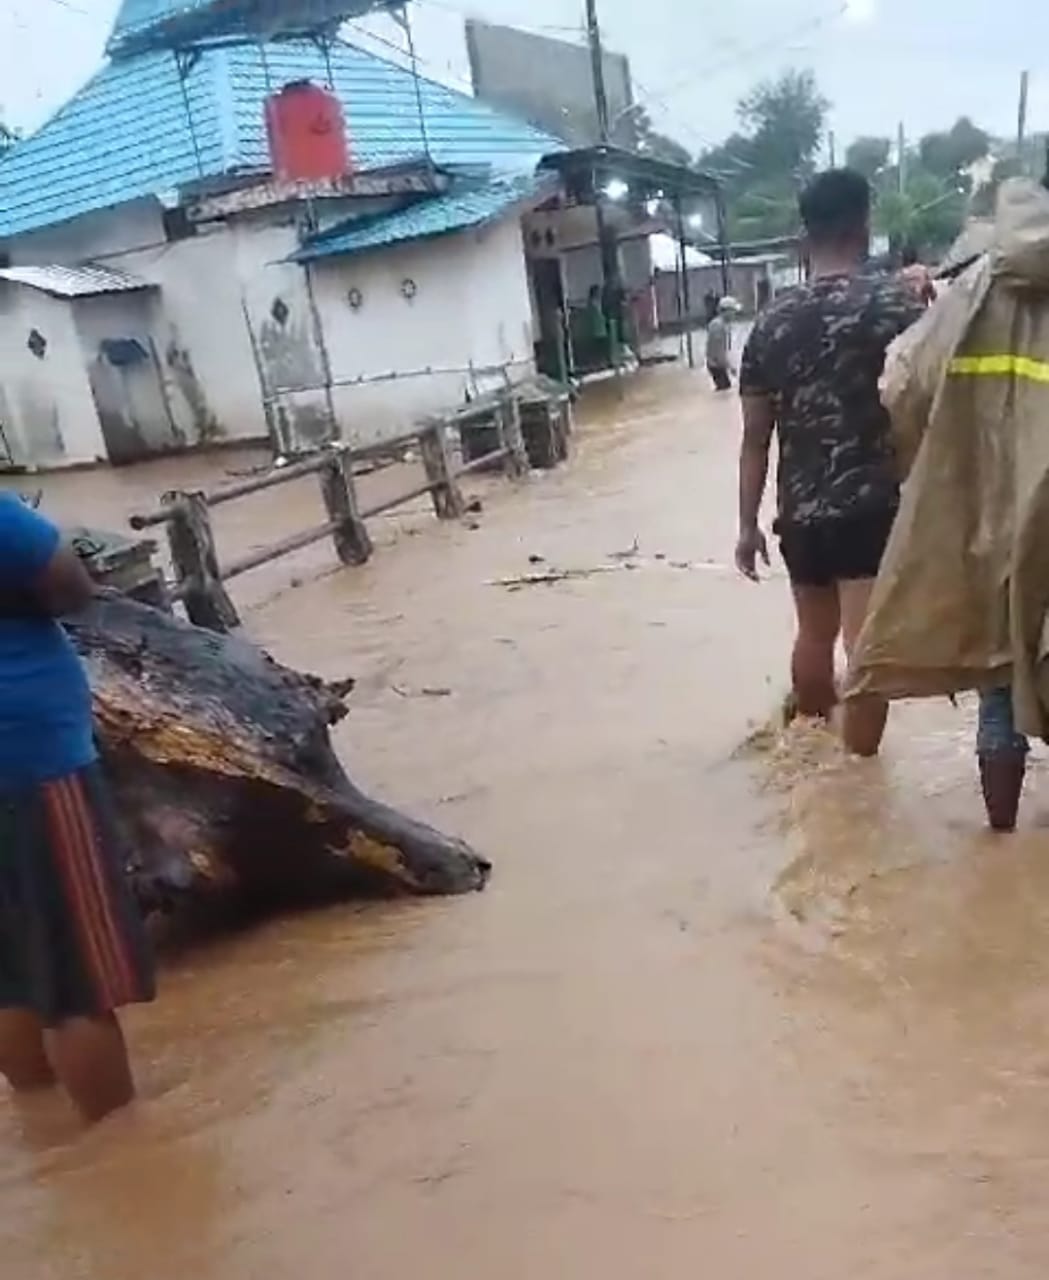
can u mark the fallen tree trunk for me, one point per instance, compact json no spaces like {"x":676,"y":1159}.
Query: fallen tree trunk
{"x":225,"y":780}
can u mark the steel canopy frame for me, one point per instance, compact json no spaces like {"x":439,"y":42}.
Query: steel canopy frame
{"x":587,"y":170}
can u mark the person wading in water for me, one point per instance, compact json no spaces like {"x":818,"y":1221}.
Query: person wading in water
{"x":719,"y":346}
{"x":72,"y":945}
{"x":809,"y":374}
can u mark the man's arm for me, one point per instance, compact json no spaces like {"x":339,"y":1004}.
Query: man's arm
{"x":759,"y":422}
{"x":65,"y":586}
{"x":39,"y":576}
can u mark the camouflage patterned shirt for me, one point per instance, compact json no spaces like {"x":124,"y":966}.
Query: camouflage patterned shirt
{"x":818,"y":350}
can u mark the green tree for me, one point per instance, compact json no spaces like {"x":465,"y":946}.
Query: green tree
{"x":929,"y":213}
{"x":763,"y":166}
{"x":785,"y":121}
{"x":766,"y":209}
{"x":8,"y":137}
{"x":641,"y":135}
{"x":948,"y":154}
{"x":869,"y":156}
{"x":732,"y":163}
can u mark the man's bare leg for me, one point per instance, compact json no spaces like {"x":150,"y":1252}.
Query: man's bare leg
{"x":865,"y":718}
{"x":23,"y":1058}
{"x":90,"y":1059}
{"x":812,"y":667}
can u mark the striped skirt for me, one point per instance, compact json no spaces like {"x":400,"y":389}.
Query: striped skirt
{"x":72,"y":943}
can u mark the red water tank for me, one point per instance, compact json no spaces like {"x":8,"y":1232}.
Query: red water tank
{"x":307,"y":134}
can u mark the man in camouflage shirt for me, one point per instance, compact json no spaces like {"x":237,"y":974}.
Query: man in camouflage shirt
{"x":809,"y":375}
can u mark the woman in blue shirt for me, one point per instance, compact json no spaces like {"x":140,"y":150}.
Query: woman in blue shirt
{"x":72,"y":946}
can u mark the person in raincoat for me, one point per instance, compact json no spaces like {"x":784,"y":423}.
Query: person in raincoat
{"x":809,"y":380}
{"x":962,"y":597}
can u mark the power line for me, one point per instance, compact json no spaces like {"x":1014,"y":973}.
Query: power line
{"x":537,"y":28}
{"x":445,"y":71}
{"x":748,"y":52}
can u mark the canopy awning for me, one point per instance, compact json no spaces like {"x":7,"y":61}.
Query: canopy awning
{"x":144,"y":25}
{"x":645,"y":175}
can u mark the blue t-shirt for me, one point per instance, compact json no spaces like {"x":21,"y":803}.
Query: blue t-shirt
{"x":45,"y":702}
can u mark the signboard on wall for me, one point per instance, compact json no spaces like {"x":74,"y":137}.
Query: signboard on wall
{"x":549,"y":83}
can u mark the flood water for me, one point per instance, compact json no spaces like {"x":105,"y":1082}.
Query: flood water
{"x":726,"y":1010}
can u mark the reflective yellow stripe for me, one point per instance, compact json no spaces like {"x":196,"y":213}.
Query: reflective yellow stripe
{"x":1001,"y":367}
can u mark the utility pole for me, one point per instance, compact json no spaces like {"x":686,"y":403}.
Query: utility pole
{"x":686,"y":284}
{"x":1021,"y":117}
{"x":832,"y":149}
{"x":597,"y":64}
{"x":901,"y":161}
{"x":606,"y":235}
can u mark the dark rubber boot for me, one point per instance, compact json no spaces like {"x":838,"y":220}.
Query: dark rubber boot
{"x":1002,"y":779}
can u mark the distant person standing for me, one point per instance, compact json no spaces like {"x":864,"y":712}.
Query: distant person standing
{"x":596,"y":316}
{"x":810,"y":375}
{"x":72,"y":946}
{"x":719,"y":346}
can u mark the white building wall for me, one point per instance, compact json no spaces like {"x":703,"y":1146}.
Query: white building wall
{"x":136,"y":225}
{"x":207,"y":348}
{"x":582,"y":270}
{"x":141,"y":409}
{"x":223,"y":289}
{"x":470,"y":316}
{"x":46,"y":407}
{"x":224,"y":352}
{"x":284,"y":331}
{"x":203,"y":339}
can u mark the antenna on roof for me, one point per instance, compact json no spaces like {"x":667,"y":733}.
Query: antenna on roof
{"x":184,"y":64}
{"x":403,"y":20}
{"x":146,"y":25}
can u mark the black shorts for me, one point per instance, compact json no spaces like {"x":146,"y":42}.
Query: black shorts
{"x":840,"y":549}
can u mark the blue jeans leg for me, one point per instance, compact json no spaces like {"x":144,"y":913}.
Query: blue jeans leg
{"x":996,"y":734}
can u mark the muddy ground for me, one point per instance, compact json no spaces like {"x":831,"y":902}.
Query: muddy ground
{"x":725,"y":1010}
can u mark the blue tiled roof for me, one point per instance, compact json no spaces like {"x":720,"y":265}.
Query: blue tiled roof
{"x":126,"y":134}
{"x":457,"y":210}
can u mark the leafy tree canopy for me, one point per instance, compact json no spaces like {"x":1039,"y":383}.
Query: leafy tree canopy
{"x":948,"y":154}
{"x":869,"y":156}
{"x":765,"y":163}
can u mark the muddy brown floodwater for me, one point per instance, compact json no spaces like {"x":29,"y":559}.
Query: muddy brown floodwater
{"x":752,"y":1013}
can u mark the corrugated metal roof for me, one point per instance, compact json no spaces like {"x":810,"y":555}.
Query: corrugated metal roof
{"x":144,"y":23}
{"x":455,"y":211}
{"x":126,"y":134}
{"x":74,"y":282}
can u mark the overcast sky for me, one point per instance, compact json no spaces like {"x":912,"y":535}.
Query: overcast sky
{"x":926,"y":61}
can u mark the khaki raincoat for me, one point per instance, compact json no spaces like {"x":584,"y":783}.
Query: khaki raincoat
{"x":962,"y":600}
